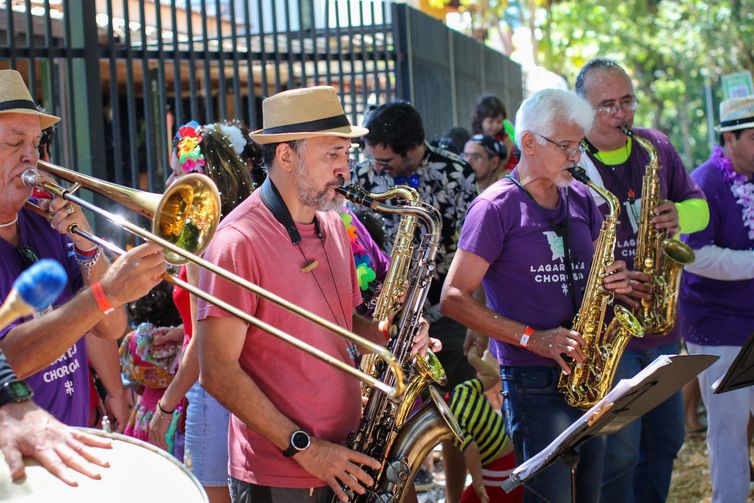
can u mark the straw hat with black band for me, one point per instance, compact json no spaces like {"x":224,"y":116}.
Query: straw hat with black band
{"x":16,"y":99}
{"x":736,"y":113}
{"x":304,"y":113}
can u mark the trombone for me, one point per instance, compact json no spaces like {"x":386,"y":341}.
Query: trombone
{"x":187,"y":214}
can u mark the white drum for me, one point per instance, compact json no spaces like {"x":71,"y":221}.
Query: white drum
{"x":138,"y":472}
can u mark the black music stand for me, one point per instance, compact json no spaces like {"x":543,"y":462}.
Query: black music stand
{"x":627,"y":401}
{"x":740,"y":374}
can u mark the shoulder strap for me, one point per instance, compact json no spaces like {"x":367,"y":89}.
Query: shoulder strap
{"x":271,"y":198}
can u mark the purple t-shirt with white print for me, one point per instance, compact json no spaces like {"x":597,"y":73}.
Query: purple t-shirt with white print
{"x":714,"y":312}
{"x":62,"y":388}
{"x":527,"y":280}
{"x":625,"y":181}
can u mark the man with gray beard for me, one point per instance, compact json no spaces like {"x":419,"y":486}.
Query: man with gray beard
{"x":291,"y":412}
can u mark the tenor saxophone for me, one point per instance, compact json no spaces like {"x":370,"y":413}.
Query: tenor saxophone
{"x":658,"y":256}
{"x":388,"y":431}
{"x":590,"y":381}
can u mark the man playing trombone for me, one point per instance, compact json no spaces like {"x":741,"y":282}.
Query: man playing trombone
{"x":291,"y":412}
{"x":49,"y":350}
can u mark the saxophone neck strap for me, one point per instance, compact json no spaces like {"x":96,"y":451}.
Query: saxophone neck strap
{"x":274,"y":202}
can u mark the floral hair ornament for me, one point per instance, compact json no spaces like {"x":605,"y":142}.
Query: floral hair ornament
{"x":189,"y":154}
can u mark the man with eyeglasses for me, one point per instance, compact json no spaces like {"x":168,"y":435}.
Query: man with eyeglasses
{"x":639,"y":458}
{"x":529,"y":240}
{"x":487,"y":157}
{"x":399,"y":155}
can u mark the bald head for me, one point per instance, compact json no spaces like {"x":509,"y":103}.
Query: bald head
{"x":590,"y":72}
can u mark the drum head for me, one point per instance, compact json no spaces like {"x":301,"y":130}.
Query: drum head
{"x":138,"y":472}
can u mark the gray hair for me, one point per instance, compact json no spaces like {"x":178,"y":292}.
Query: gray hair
{"x":539,"y":112}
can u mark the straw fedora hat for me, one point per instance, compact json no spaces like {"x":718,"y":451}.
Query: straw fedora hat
{"x":736,"y":113}
{"x":304,"y":113}
{"x":16,"y":99}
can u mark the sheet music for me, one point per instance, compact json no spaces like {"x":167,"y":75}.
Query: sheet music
{"x":623,"y":387}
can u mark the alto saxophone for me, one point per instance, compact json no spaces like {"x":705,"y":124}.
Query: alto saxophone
{"x":658,"y":256}
{"x":388,"y":431}
{"x":590,"y":381}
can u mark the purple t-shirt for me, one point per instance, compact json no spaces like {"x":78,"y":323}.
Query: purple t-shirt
{"x":625,"y":181}
{"x":527,"y":279}
{"x":63,"y":387}
{"x":713,"y":312}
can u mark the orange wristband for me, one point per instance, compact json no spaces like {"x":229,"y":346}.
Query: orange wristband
{"x":525,"y":336}
{"x":99,"y":296}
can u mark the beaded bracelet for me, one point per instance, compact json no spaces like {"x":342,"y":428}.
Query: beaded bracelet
{"x":88,"y":259}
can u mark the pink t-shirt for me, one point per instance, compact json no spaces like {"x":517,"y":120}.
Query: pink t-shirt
{"x":319,"y":398}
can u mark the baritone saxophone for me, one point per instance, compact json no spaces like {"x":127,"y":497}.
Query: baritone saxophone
{"x":392,"y":432}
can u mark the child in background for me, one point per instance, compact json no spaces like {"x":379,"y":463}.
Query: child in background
{"x":486,"y":447}
{"x":150,"y":355}
{"x":489,"y":118}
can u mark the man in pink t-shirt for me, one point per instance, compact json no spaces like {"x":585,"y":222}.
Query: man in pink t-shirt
{"x":291,"y":412}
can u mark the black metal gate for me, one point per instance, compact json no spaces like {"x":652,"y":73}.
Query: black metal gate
{"x":124,"y":74}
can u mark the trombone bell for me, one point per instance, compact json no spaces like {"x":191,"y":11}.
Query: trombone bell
{"x":186,"y":215}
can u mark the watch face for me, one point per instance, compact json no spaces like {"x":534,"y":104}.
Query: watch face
{"x":300,"y":440}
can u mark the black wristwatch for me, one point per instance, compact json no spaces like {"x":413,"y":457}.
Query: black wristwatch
{"x":300,"y":440}
{"x":15,"y":391}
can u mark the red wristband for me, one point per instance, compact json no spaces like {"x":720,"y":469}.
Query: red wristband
{"x":86,"y":253}
{"x":525,"y":336}
{"x":99,"y":296}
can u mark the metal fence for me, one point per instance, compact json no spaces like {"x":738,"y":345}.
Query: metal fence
{"x":124,"y":74}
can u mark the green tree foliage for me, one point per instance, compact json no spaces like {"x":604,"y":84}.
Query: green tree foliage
{"x":670,"y":48}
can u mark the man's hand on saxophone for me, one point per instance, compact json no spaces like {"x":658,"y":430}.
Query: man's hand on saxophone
{"x":556,"y":342}
{"x":641,"y":289}
{"x":666,"y":218}
{"x":339,"y":466}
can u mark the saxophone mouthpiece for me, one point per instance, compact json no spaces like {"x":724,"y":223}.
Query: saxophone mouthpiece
{"x":626,"y":130}
{"x":579,"y":174}
{"x":341,"y":180}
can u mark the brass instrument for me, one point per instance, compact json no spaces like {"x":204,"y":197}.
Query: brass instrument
{"x":657,"y":255}
{"x":396,"y":282}
{"x":196,"y":203}
{"x":590,"y":381}
{"x":387,"y":432}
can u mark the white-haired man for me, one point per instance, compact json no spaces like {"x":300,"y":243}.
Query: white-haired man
{"x":529,"y":240}
{"x":715,"y":311}
{"x":291,"y":412}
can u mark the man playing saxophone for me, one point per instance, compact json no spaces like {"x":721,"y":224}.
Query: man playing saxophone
{"x":529,"y":240}
{"x":639,"y":458}
{"x":291,"y":412}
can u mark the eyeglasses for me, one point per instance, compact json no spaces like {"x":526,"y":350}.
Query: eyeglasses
{"x":382,"y":162}
{"x":569,"y":152}
{"x":472,"y":157}
{"x":627,"y":105}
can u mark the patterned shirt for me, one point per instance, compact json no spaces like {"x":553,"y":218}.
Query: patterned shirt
{"x":446,"y":182}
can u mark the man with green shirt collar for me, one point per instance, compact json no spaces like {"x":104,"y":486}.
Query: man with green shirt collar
{"x":639,"y":458}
